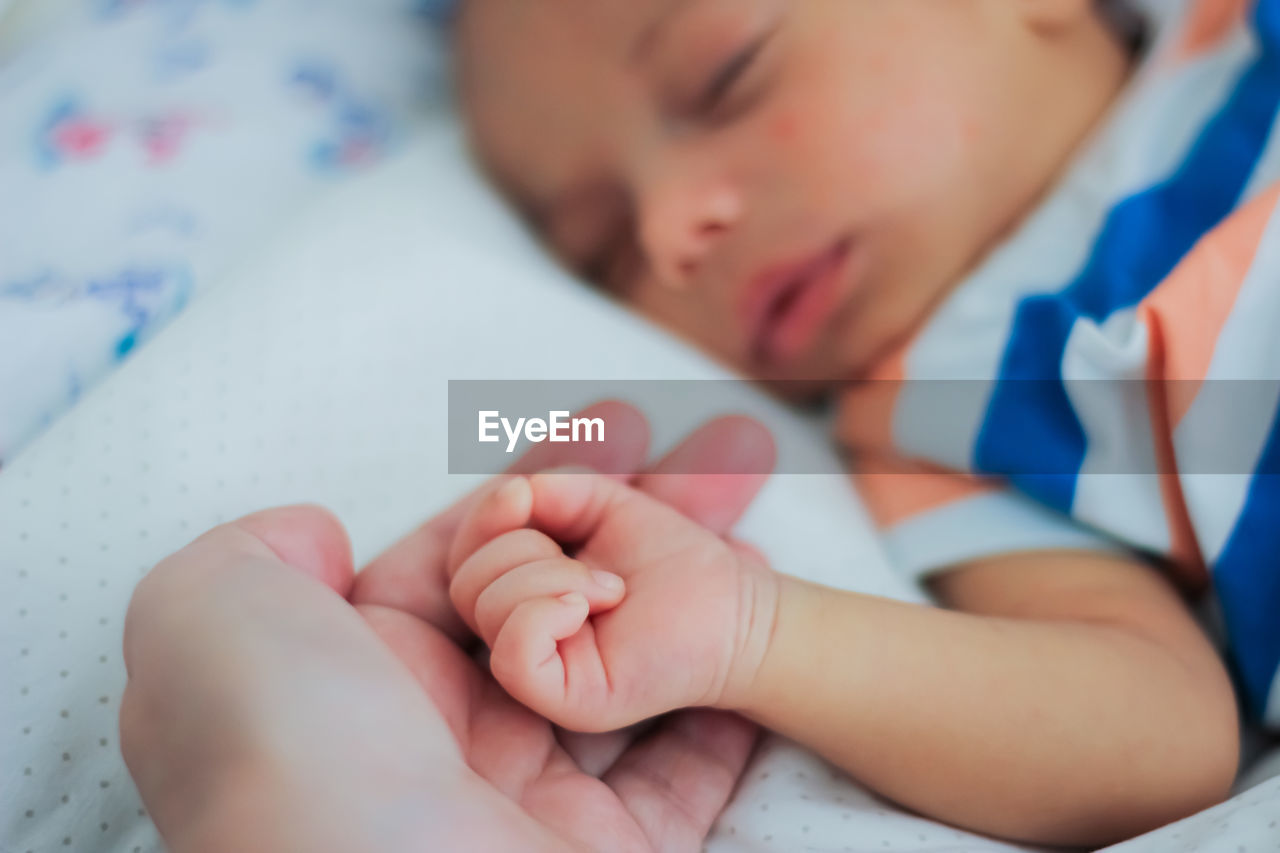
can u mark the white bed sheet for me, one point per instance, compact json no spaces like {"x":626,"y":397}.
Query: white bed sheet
{"x":318,"y":374}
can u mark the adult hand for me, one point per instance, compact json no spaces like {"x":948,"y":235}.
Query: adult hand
{"x":265,"y":712}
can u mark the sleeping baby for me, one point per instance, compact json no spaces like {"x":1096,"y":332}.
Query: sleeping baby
{"x":1021,"y":244}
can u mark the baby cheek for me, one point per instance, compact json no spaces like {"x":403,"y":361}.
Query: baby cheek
{"x":784,"y":130}
{"x":804,"y":146}
{"x":805,"y":142}
{"x":876,"y":155}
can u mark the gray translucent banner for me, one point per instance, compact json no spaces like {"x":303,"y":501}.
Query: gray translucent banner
{"x":1094,"y":427}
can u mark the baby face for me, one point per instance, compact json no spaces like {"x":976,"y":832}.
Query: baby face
{"x":793,"y":184}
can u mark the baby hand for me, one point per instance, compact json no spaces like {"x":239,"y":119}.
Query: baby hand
{"x":651,"y":613}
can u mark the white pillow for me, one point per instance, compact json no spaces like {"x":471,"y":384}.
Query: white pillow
{"x":319,"y":373}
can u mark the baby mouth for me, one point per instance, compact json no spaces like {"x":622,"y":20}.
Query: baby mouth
{"x":791,"y":304}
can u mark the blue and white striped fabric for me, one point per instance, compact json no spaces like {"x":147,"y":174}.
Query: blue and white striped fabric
{"x":1112,"y":373}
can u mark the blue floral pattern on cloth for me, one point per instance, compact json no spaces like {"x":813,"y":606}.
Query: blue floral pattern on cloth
{"x":358,"y":130}
{"x":153,"y":143}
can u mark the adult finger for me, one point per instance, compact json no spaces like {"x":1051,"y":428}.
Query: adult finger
{"x":502,"y":741}
{"x":677,"y":780}
{"x":715,"y":474}
{"x":307,"y":539}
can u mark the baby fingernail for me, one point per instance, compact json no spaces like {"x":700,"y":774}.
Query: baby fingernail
{"x":607,"y":581}
{"x":574,"y":599}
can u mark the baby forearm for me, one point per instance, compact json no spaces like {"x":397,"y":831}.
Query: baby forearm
{"x":1050,"y":732}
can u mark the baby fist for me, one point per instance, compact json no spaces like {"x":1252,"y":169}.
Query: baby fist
{"x":603,"y":606}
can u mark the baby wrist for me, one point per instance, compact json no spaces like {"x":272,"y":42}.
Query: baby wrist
{"x":758,"y":613}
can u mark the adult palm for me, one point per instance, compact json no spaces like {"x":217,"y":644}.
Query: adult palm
{"x":278,"y":702}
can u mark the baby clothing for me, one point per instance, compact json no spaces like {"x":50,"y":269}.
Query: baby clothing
{"x":1109,"y":378}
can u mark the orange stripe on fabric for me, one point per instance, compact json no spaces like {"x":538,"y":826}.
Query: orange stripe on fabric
{"x":1187,"y":312}
{"x":1209,"y":24}
{"x":1185,"y":316}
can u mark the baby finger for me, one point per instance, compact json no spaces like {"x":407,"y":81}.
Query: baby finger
{"x":541,"y":579}
{"x":526,"y":656}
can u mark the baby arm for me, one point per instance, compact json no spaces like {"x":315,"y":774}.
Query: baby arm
{"x":1074,"y":702}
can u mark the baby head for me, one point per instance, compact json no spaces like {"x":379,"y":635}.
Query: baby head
{"x":792,"y":184}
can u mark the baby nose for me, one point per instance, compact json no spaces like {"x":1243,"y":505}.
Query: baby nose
{"x":681,"y":231}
